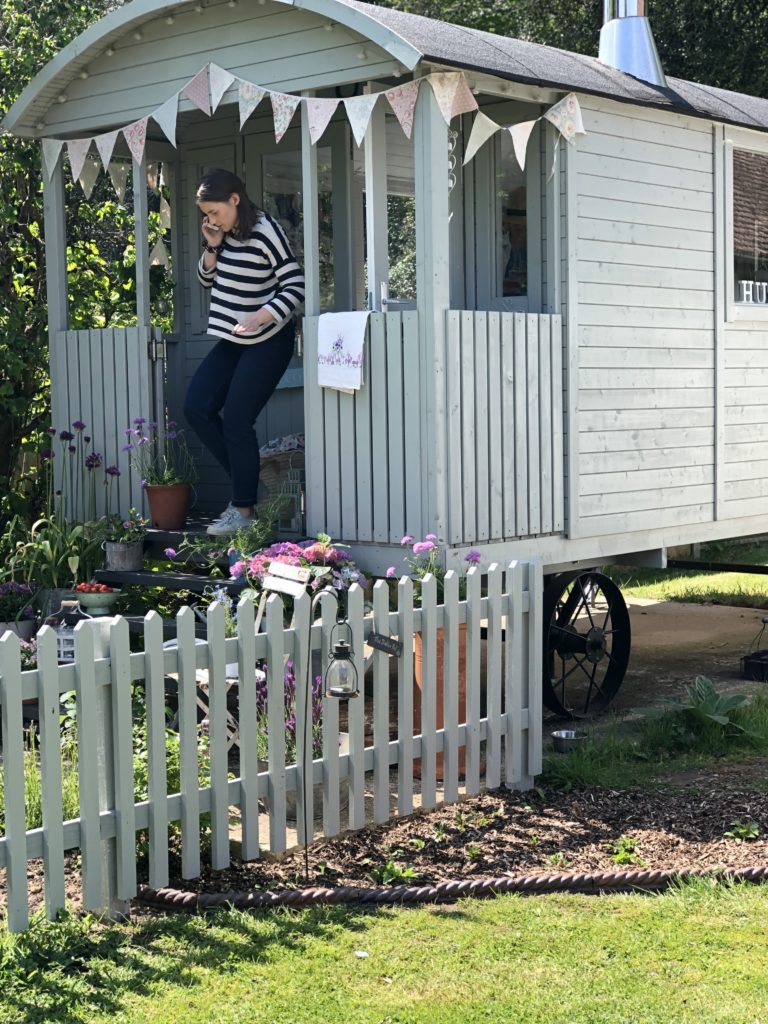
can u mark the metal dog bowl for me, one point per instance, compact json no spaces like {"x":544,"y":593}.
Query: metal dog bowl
{"x":566,"y":740}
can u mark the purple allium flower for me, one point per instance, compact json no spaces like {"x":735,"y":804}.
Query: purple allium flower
{"x":86,"y":439}
{"x":421,"y":547}
{"x":128,"y":432}
{"x":46,"y":453}
{"x":407,"y":539}
{"x":57,"y":493}
{"x":390,"y":572}
{"x":473,"y":557}
{"x":127,"y":448}
{"x":67,"y":435}
{"x":79,"y":425}
{"x":431,"y":536}
{"x":171,"y":435}
{"x":112,"y":471}
{"x":51,"y":431}
{"x":72,"y":449}
{"x":170,"y":552}
{"x":93,"y":461}
{"x":139,"y":420}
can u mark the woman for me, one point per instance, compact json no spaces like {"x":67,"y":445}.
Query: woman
{"x":256,"y":287}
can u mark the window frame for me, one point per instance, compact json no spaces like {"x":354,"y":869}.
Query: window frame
{"x":739,"y":312}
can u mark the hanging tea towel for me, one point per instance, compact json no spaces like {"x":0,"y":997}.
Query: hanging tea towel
{"x":340,"y":344}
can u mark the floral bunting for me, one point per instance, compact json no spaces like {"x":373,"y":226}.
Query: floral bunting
{"x":444,"y":85}
{"x":220,"y":80}
{"x":482,"y":129}
{"x":402,"y":100}
{"x":136,"y":137}
{"x":283,"y":108}
{"x":166,"y":115}
{"x":463,"y":100}
{"x":106,"y":146}
{"x":51,"y":150}
{"x":197,"y":91}
{"x":319,"y":114}
{"x":520,"y":134}
{"x":88,"y":175}
{"x":77,"y":150}
{"x":359,"y":110}
{"x":159,"y":255}
{"x":118,"y":172}
{"x":249,"y":97}
{"x":566,"y":117}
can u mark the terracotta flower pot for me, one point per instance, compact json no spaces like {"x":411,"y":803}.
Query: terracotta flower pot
{"x":439,"y":702}
{"x":168,"y":505}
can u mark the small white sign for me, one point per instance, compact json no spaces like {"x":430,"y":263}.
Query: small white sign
{"x":278,"y":585}
{"x":290,"y":572}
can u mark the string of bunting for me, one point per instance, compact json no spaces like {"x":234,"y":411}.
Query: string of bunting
{"x":565,"y":115}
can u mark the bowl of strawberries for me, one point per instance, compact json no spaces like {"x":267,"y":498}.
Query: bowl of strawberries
{"x":96,"y":598}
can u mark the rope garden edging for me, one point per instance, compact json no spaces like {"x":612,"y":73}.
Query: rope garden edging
{"x":442,"y":892}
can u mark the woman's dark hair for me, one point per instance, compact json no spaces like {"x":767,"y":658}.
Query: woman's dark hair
{"x":217,"y":186}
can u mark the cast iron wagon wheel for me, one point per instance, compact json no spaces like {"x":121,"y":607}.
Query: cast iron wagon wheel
{"x":587,"y":639}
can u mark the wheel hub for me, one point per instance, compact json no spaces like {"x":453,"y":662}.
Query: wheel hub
{"x":596,"y":645}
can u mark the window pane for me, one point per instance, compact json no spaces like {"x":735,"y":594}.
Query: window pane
{"x":750,"y":225}
{"x":511,"y":222}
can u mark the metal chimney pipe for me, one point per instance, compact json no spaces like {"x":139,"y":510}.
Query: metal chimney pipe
{"x":626,"y":41}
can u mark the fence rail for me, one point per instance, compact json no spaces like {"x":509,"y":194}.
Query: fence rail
{"x":500,"y":614}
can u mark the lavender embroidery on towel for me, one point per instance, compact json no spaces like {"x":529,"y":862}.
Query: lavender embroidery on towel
{"x":338,"y":357}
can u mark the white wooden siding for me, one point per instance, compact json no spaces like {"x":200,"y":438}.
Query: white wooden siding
{"x":745,"y":413}
{"x":645,"y":320}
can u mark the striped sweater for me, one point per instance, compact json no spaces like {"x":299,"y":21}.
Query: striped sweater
{"x":260,"y":271}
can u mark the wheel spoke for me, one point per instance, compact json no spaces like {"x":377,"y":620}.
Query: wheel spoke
{"x":585,"y":603}
{"x":589,"y":690}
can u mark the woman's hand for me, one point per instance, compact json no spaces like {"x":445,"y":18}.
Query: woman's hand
{"x":212,"y":233}
{"x":252,"y":324}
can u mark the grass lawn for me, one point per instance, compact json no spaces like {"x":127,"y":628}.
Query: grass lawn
{"x":692,"y":954}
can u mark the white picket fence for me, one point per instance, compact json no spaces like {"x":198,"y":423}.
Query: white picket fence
{"x":503,"y":658}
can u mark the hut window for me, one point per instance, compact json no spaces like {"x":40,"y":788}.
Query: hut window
{"x":511,"y":223}
{"x":750,"y":227}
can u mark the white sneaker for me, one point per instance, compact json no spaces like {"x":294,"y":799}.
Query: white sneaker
{"x":228,"y":523}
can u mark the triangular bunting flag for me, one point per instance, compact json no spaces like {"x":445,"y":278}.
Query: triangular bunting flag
{"x":197,"y":91}
{"x":403,"y":102}
{"x":319,"y":113}
{"x":118,"y":172}
{"x":249,"y":97}
{"x":106,"y":146}
{"x":136,"y":137}
{"x":159,"y":255}
{"x":444,"y":85}
{"x":520,"y":134}
{"x":283,"y":108}
{"x":220,"y":81}
{"x":51,"y":150}
{"x":463,"y":101}
{"x":88,"y":175}
{"x":165,"y":213}
{"x":77,"y":150}
{"x":482,"y":129}
{"x":566,"y":117}
{"x":359,"y":110}
{"x":166,"y":116}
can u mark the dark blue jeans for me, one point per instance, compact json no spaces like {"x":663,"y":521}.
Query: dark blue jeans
{"x":228,"y":391}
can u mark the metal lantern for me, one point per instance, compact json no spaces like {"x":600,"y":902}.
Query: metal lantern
{"x":341,"y":675}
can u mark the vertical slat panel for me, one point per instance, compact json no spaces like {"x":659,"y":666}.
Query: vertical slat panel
{"x":356,"y":715}
{"x":348,"y":456}
{"x":123,"y":413}
{"x":122,"y":745}
{"x":533,"y":401}
{"x":98,"y":420}
{"x":507,"y":433}
{"x":247,"y":721}
{"x":380,"y":706}
{"x":482,"y":438}
{"x":547,"y":426}
{"x":533,"y":670}
{"x":157,"y":782}
{"x":454,"y":424}
{"x":474,"y":650}
{"x":304,"y":757}
{"x":188,"y":780}
{"x":331,"y":809}
{"x":468,"y":441}
{"x":314,"y":428}
{"x":363,"y":449}
{"x":495,"y":432}
{"x":379,"y":416}
{"x":428,"y":690}
{"x":450,"y":688}
{"x":50,"y":770}
{"x":521,"y":427}
{"x":217,"y":736}
{"x":493,"y":679}
{"x":405,"y":697}
{"x":17,"y":912}
{"x":113,"y":425}
{"x":88,"y":768}
{"x":397,"y":523}
{"x":332,"y":470}
{"x":276,"y":723}
{"x":411,"y":414}
{"x":558,"y":466}
{"x":514,"y":679}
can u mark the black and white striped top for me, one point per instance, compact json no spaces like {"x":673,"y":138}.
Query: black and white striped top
{"x":260,"y":271}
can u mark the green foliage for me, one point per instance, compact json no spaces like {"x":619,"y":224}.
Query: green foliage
{"x":703,"y":710}
{"x":624,"y":851}
{"x":743,"y":831}
{"x":393,"y":872}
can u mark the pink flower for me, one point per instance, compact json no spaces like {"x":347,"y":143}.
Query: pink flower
{"x":237,"y":570}
{"x":431,"y":536}
{"x":473,"y":557}
{"x":407,"y":539}
{"x":390,"y":572}
{"x":421,"y":547}
{"x":169,"y":552}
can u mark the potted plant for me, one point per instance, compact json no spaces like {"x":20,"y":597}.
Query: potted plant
{"x":16,"y":611}
{"x":163,"y":461}
{"x":124,"y":545}
{"x":425,"y":559}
